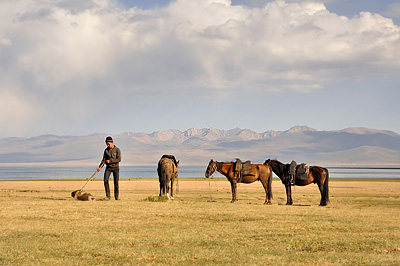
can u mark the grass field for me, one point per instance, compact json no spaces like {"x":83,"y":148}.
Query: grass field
{"x":42,"y":225}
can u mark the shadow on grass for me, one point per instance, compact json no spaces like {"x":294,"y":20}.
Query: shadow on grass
{"x":51,"y":198}
{"x":298,"y":205}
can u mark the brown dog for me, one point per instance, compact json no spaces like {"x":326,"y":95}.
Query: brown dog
{"x":77,"y":194}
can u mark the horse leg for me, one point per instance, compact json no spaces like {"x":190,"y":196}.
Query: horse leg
{"x":322,"y":188}
{"x":289,"y":200}
{"x":167,"y":187}
{"x":161,"y":184}
{"x":326,"y":187}
{"x":163,"y":180}
{"x":233,"y":187}
{"x":162,"y":188}
{"x":267,"y":191}
{"x":172,"y":188}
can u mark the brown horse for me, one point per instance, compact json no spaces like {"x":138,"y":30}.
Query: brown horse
{"x":167,"y":171}
{"x":316,"y":174}
{"x":258,"y":172}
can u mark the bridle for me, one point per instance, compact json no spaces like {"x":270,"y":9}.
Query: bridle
{"x":213,"y":167}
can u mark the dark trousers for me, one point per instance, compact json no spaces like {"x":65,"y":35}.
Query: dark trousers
{"x":107,"y":173}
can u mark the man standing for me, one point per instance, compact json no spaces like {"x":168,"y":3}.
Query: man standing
{"x":111,"y":158}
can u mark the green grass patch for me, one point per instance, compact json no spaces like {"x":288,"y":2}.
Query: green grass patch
{"x":156,"y":199}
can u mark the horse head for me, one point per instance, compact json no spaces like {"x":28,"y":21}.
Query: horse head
{"x":211,"y":168}
{"x":277,"y":167}
{"x":175,"y":167}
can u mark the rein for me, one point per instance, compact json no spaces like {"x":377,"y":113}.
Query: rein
{"x":209,"y":191}
{"x":216,"y":167}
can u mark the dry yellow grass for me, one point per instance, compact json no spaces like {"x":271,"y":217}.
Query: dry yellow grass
{"x":42,"y":225}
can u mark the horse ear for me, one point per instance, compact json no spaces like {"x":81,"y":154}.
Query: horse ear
{"x":177,"y":162}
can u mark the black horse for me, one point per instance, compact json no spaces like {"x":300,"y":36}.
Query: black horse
{"x":316,"y":174}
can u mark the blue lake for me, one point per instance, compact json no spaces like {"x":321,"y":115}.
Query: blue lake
{"x":71,"y":172}
{"x":83,"y":172}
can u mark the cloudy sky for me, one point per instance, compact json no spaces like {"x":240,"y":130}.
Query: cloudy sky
{"x":72,"y":67}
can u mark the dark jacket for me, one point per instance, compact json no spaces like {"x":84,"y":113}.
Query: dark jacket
{"x":113,"y":155}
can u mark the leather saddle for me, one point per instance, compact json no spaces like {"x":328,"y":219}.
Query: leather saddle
{"x":302,"y":171}
{"x":241,"y":169}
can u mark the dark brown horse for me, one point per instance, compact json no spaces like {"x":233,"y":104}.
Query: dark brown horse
{"x":258,"y":172}
{"x":318,"y":175}
{"x":167,"y":171}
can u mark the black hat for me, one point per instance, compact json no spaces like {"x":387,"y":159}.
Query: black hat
{"x":109,"y":139}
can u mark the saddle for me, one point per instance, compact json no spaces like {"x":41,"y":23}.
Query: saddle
{"x":302,"y":171}
{"x":170,"y":156}
{"x":241,"y":169}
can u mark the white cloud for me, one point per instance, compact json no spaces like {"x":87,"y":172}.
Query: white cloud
{"x":60,"y":46}
{"x":76,"y":52}
{"x":202,"y":43}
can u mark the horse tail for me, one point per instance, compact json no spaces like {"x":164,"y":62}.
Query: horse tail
{"x":326,"y":186}
{"x":163,"y":182}
{"x":162,"y":177}
{"x":270,"y":183}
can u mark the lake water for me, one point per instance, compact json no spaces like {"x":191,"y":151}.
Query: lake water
{"x":83,"y":172}
{"x":71,"y":172}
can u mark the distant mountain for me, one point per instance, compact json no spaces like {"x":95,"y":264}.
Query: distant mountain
{"x":351,"y":146}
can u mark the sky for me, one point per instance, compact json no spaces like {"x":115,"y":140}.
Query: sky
{"x":72,"y":67}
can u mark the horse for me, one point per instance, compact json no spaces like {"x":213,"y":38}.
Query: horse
{"x":258,"y":172}
{"x":317,"y":174}
{"x":167,"y":170}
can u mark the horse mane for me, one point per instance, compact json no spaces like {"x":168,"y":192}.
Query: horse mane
{"x":281,"y":166}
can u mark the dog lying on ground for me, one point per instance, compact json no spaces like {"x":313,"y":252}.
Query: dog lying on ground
{"x":79,"y":195}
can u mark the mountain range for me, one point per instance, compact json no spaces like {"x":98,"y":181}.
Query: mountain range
{"x":351,"y":146}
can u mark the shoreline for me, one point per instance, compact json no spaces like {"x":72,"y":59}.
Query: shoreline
{"x":199,"y":179}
